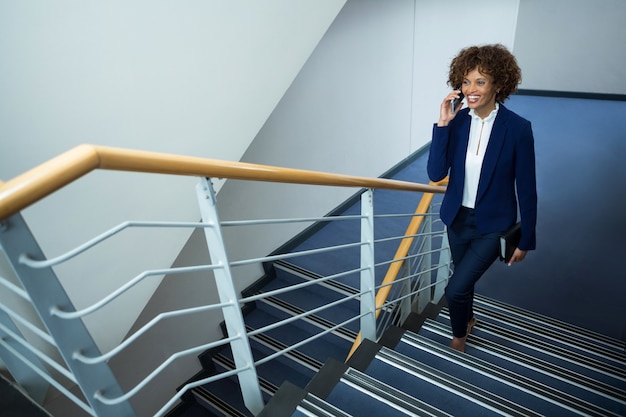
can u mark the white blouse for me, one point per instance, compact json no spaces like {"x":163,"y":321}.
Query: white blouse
{"x":480,"y":130}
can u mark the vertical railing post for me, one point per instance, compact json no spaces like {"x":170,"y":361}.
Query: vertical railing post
{"x":233,"y":316}
{"x":405,"y":294}
{"x":424,"y":296}
{"x":444,"y":269}
{"x":368,"y":267}
{"x":71,"y":336}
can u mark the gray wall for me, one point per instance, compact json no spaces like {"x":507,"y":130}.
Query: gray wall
{"x":194,"y":78}
{"x":365,"y":100}
{"x":572,"y":45}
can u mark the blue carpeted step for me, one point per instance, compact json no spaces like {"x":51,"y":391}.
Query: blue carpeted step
{"x":314,"y":406}
{"x":532,"y":366}
{"x":299,"y":317}
{"x":559,"y":329}
{"x":323,"y":347}
{"x":271,"y":375}
{"x":358,"y":394}
{"x":223,"y":398}
{"x":191,"y":409}
{"x":274,"y":372}
{"x":388,"y":202}
{"x":536,"y":394}
{"x":574,"y":340}
{"x":333,"y":283}
{"x":526,"y":343}
{"x":440,"y":390}
{"x":302,"y":318}
{"x":315,"y":297}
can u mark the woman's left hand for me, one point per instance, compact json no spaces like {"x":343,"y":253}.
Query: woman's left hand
{"x":518,"y":256}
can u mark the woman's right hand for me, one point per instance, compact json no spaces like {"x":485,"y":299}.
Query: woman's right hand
{"x":445,"y":110}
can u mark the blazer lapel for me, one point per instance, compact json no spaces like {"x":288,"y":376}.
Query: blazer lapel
{"x":461,"y":148}
{"x":496,"y":141}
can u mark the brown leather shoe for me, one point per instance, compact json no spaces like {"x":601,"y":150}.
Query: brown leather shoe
{"x":470,"y":325}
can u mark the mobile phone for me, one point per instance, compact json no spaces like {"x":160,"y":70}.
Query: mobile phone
{"x":455,"y":103}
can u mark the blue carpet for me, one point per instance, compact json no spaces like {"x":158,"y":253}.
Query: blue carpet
{"x":490,"y":384}
{"x":345,"y":232}
{"x":425,"y":391}
{"x":360,"y":403}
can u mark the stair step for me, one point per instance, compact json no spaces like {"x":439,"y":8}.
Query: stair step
{"x":323,"y":347}
{"x":314,"y":406}
{"x":270,"y":346}
{"x":584,"y":362}
{"x":370,"y":397}
{"x":316,"y":297}
{"x":554,"y":402}
{"x":443,"y":391}
{"x":569,"y":337}
{"x":558,"y":327}
{"x":389,"y":395}
{"x":191,"y":409}
{"x":312,"y":319}
{"x":604,"y":395}
{"x":222,"y":398}
{"x":225,"y":395}
{"x":272,"y":373}
{"x":334,"y":284}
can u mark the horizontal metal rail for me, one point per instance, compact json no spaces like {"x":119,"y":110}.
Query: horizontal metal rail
{"x":32,"y":186}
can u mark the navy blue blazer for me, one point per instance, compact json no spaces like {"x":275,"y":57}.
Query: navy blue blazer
{"x":507,"y":175}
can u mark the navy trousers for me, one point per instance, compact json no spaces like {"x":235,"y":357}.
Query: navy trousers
{"x":472,"y":254}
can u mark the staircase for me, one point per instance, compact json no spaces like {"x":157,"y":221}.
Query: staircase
{"x":516,"y":363}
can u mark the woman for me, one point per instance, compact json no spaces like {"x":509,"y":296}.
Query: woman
{"x":488,"y":153}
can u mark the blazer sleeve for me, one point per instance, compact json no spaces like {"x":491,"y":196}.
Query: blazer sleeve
{"x":438,"y":157}
{"x":526,"y":183}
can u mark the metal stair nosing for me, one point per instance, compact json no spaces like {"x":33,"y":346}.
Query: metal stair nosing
{"x":313,"y":405}
{"x":207,"y":399}
{"x":531,"y":362}
{"x":293,"y":354}
{"x":331,"y":284}
{"x":552,"y":350}
{"x":454,"y":385}
{"x":228,"y":364}
{"x":609,"y":343}
{"x":577,"y":340}
{"x":311,"y":318}
{"x":312,"y":276}
{"x":505,"y":376}
{"x":389,"y":395}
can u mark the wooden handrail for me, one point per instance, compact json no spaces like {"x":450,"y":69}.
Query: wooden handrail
{"x":401,"y":254}
{"x":43,"y":180}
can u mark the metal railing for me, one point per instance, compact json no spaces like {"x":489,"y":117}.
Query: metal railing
{"x":416,"y":275}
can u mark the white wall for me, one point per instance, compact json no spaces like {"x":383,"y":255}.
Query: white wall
{"x":572,"y":45}
{"x":365,"y":100}
{"x":193,"y":77}
{"x":442,"y":29}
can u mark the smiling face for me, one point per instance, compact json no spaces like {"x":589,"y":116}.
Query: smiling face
{"x":480,"y":92}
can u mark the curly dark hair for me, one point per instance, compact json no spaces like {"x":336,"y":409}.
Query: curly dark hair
{"x":493,"y":60}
